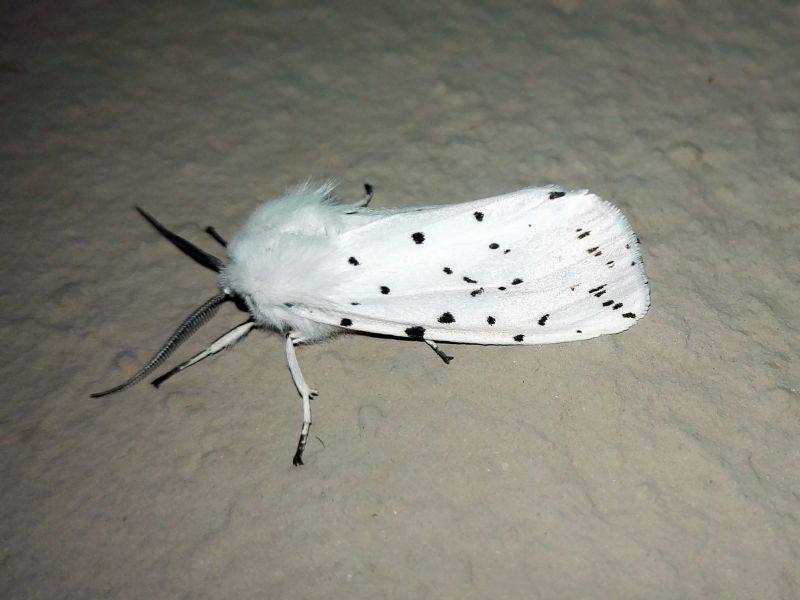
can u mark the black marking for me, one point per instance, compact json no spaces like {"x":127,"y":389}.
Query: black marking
{"x":474,"y":293}
{"x":592,"y":250}
{"x":468,"y":280}
{"x":608,"y":303}
{"x":384,"y":289}
{"x":543,"y":319}
{"x":610,"y":264}
{"x":355,"y":303}
{"x":516,"y":281}
{"x":617,"y":306}
{"x":598,"y":253}
{"x":478,"y":215}
{"x":346,"y":323}
{"x":502,"y":288}
{"x":494,"y":246}
{"x":627,"y":246}
{"x":491,"y":320}
{"x":447,"y":318}
{"x":629,"y":315}
{"x":597,"y":289}
{"x":578,"y":229}
{"x":519,"y":338}
{"x":418,"y":237}
{"x":507,"y":250}
{"x":633,"y":263}
{"x":583,"y":235}
{"x":600,"y":293}
{"x":288,"y":304}
{"x":638,"y":241}
{"x":353,"y":261}
{"x":578,"y":331}
{"x":415,"y":332}
{"x":554,"y":195}
{"x":448,"y":270}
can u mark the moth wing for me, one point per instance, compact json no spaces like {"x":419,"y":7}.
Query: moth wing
{"x":535,"y":266}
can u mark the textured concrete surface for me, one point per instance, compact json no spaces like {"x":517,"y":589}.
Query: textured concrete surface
{"x":660,"y":463}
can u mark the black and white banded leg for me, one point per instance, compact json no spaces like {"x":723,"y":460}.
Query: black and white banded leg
{"x":306,"y":393}
{"x":221,"y":343}
{"x":369,"y":192}
{"x":439,"y":351}
{"x":215,"y":234}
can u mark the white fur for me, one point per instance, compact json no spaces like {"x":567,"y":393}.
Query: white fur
{"x":278,"y":255}
{"x":290,"y":264}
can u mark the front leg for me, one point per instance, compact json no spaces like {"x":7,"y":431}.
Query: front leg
{"x":306,"y":393}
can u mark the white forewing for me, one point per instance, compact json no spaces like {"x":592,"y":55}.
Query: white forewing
{"x":535,"y":266}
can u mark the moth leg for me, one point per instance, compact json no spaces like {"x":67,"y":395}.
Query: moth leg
{"x":306,"y":393}
{"x":368,"y":194}
{"x":215,"y":234}
{"x":221,"y":343}
{"x":439,"y":351}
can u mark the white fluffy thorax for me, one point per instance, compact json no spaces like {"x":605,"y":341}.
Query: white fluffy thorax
{"x":277,"y":259}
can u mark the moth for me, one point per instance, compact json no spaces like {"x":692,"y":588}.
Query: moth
{"x":536,"y":266}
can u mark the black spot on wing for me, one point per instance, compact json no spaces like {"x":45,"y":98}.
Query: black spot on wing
{"x":491,"y":320}
{"x":608,"y":303}
{"x":446,"y":318}
{"x":355,"y":303}
{"x":591,"y":250}
{"x":384,"y":289}
{"x":346,"y":323}
{"x":578,"y":331}
{"x":494,"y":246}
{"x":353,"y":261}
{"x":415,"y":332}
{"x":519,"y":338}
{"x":468,"y":280}
{"x":554,"y":195}
{"x":583,"y":235}
{"x":418,"y":237}
{"x":597,"y":289}
{"x":507,"y":250}
{"x":474,"y":293}
{"x":516,"y":281}
{"x":629,"y":315}
{"x":478,"y":216}
{"x":448,"y":270}
{"x":502,"y":288}
{"x":543,"y":319}
{"x":617,"y":306}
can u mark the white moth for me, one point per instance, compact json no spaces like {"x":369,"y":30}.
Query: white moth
{"x":536,"y":266}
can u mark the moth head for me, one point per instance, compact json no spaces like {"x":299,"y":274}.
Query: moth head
{"x":201,"y":315}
